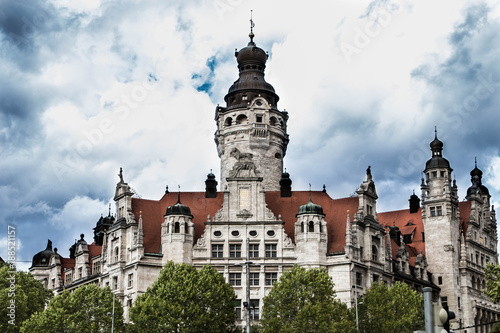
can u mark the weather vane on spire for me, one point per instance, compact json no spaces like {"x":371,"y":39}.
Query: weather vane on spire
{"x":251,"y":21}
{"x":251,"y":35}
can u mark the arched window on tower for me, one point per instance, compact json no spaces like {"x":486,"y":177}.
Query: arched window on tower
{"x":302,"y":227}
{"x":177,"y":228}
{"x":241,"y":119}
{"x":228,"y":122}
{"x":320,"y":227}
{"x":186,"y":228}
{"x":273,"y":121}
{"x":311,"y":226}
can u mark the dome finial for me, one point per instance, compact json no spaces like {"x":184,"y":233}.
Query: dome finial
{"x":435,"y":132}
{"x":252,"y":24}
{"x":475,"y":161}
{"x":310,"y":192}
{"x":179,"y":194}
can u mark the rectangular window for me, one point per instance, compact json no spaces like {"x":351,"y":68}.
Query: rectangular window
{"x":130,"y":280}
{"x":439,"y":211}
{"x":80,"y":275}
{"x":235,"y":250}
{"x":254,"y":279}
{"x":253,"y":250}
{"x":375,"y":278}
{"x":444,"y":301}
{"x":271,"y":250}
{"x":259,"y":119}
{"x":440,"y":280}
{"x":115,"y":283}
{"x":217,"y":250}
{"x":359,"y":279}
{"x":235,"y":279}
{"x":271,"y":278}
{"x":237,"y":309}
{"x":434,"y":174}
{"x":433,"y":211}
{"x":254,"y":309}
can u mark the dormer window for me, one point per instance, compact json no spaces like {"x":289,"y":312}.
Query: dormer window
{"x":259,"y":119}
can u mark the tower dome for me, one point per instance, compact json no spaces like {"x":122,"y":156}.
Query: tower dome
{"x":476,"y":180}
{"x":41,"y":259}
{"x":178,"y":209}
{"x":310,"y":208}
{"x":437,"y":160}
{"x":251,"y":83}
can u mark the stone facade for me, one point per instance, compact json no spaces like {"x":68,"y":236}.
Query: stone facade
{"x":255,"y":216}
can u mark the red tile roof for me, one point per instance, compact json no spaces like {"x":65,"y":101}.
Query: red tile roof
{"x":94,"y":250}
{"x":153,"y":212}
{"x":335,"y":215}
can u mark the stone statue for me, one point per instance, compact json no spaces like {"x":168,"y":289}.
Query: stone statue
{"x":244,"y":162}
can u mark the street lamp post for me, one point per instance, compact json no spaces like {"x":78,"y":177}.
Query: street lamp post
{"x":113,"y":316}
{"x":356,"y":305}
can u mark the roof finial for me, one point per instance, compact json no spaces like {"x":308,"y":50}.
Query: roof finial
{"x":435,"y":132}
{"x":109,"y":209}
{"x":251,"y":35}
{"x":310,"y":192}
{"x":166,"y":189}
{"x":475,"y":161}
{"x":179,"y":195}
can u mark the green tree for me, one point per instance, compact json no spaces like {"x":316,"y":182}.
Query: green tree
{"x":496,"y":328}
{"x":395,"y":309}
{"x":492,"y":275}
{"x":87,"y":310}
{"x":183,"y":299}
{"x":20,"y":297}
{"x":305,"y":301}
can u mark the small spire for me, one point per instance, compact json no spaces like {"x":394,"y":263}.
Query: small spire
{"x":324,"y":188}
{"x":109,"y":209}
{"x":435,"y":132}
{"x":166,"y":190}
{"x":252,"y":24}
{"x":310,"y":192}
{"x":475,"y":161}
{"x":179,"y":194}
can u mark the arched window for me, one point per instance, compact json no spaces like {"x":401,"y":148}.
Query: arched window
{"x":374,"y":253}
{"x":320,"y":227}
{"x":241,"y":119}
{"x":311,"y":226}
{"x":273,"y":121}
{"x":302,"y":227}
{"x":177,"y":228}
{"x":473,"y":283}
{"x":186,"y":228}
{"x":229,"y":121}
{"x":116,"y":254}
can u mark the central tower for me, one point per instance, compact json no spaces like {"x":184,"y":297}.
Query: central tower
{"x":251,"y":135}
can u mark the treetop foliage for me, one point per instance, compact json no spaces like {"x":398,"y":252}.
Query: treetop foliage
{"x":305,"y":301}
{"x":183,"y":299}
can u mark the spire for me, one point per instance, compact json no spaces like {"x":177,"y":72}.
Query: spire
{"x":252,"y":24}
{"x":348,"y":231}
{"x":140,"y":240}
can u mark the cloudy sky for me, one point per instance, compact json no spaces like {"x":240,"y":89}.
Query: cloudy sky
{"x":88,"y":87}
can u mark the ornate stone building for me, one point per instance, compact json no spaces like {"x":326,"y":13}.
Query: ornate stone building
{"x":442,"y":243}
